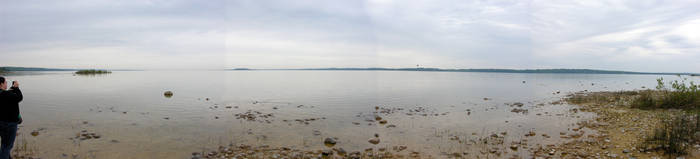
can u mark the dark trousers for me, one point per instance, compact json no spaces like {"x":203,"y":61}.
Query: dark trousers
{"x":8,"y":132}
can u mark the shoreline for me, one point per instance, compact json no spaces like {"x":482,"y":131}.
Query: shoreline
{"x":621,"y":129}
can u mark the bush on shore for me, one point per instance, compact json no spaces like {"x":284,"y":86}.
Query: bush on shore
{"x":679,"y":96}
{"x":676,"y":133}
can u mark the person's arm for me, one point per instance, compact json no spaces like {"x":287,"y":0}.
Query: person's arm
{"x":17,"y":94}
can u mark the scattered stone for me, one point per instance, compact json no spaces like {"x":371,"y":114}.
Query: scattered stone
{"x":514,"y":147}
{"x":326,"y":152}
{"x":518,"y":104}
{"x":340,"y":151}
{"x":35,"y":133}
{"x":374,"y":141}
{"x":531,"y":133}
{"x":85,"y":135}
{"x":626,"y":151}
{"x":377,"y":118}
{"x":517,"y":110}
{"x":329,"y":142}
{"x":401,"y":148}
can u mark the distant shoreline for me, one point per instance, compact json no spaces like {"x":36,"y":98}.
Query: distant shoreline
{"x":548,"y":71}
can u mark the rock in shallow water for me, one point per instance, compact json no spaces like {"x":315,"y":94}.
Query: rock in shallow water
{"x":168,"y":94}
{"x":329,"y":141}
{"x":374,"y":141}
{"x":35,"y":133}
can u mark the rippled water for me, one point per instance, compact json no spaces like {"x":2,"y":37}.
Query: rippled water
{"x":128,"y":109}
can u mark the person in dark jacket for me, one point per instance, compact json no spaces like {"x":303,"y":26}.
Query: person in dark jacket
{"x":9,"y":116}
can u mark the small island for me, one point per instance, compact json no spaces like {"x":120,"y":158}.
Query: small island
{"x":92,"y":72}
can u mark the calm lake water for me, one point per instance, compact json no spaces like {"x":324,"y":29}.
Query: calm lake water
{"x":134,"y":120}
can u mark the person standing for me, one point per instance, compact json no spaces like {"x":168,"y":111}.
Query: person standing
{"x":9,"y":116}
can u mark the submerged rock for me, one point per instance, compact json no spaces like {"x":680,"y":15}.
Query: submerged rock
{"x":374,"y":141}
{"x":516,"y":110}
{"x":326,"y":152}
{"x":531,"y":133}
{"x":340,"y":151}
{"x":514,"y":147}
{"x":518,"y":104}
{"x":330,"y":142}
{"x":35,"y":133}
{"x":168,"y":94}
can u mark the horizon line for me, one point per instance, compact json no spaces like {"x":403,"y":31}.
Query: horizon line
{"x":424,"y":69}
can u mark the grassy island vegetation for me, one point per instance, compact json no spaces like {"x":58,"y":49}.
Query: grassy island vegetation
{"x":92,"y":72}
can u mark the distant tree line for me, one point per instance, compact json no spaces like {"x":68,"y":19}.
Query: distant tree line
{"x":571,"y":71}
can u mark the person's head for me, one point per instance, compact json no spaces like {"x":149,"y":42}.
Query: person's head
{"x":3,"y":83}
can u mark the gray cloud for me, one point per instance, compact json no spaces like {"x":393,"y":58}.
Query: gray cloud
{"x":621,"y":35}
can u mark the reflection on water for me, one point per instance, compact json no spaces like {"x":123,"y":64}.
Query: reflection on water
{"x":430,"y":112}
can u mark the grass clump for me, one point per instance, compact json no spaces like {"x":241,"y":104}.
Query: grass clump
{"x":679,"y":96}
{"x":675,"y":135}
{"x":92,"y":72}
{"x":617,"y":97}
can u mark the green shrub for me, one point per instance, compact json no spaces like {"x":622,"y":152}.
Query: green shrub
{"x":679,"y":96}
{"x":645,"y":100}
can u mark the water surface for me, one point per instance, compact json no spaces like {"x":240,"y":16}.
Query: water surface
{"x":128,"y":109}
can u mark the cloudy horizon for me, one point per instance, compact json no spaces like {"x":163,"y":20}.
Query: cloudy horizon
{"x":645,"y":36}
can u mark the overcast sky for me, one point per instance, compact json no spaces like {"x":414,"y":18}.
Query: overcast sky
{"x":634,"y":35}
